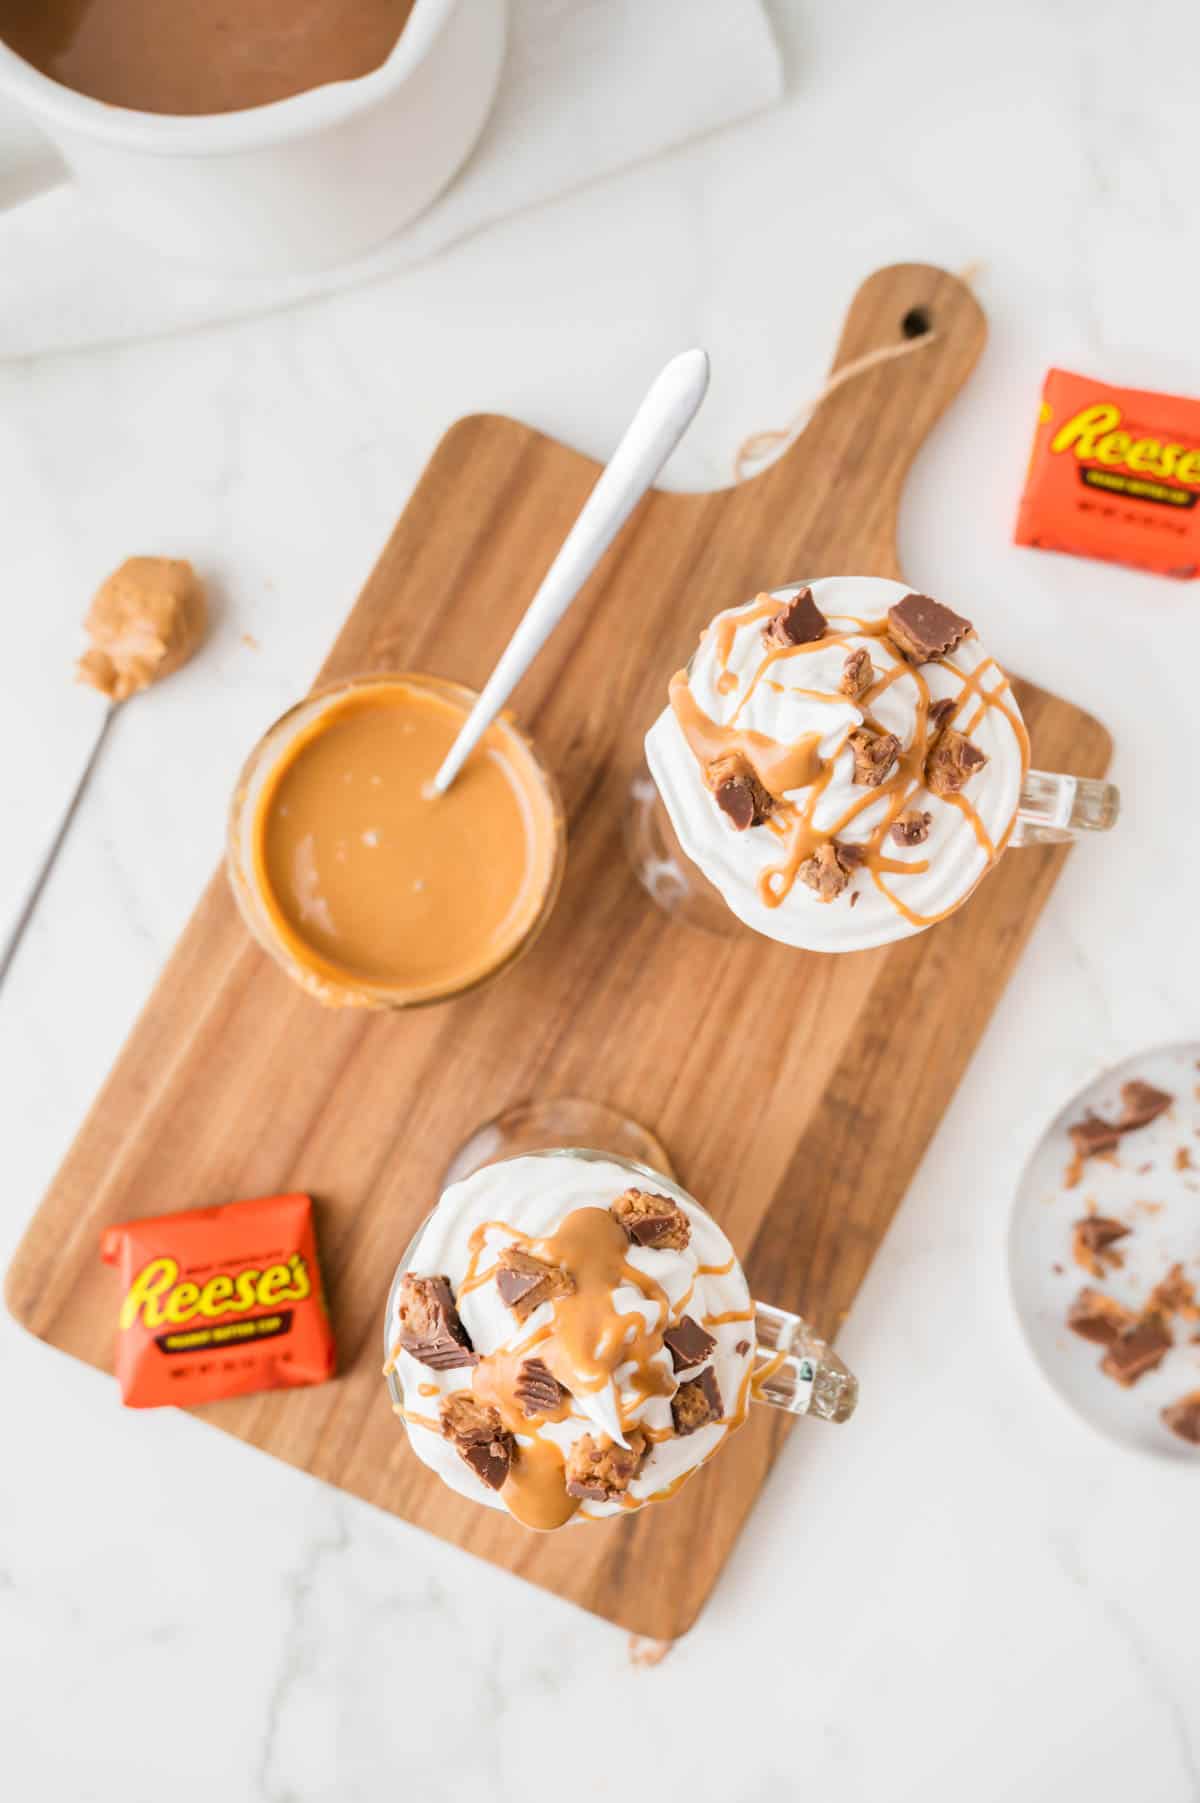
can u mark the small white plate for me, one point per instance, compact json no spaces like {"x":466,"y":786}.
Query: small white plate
{"x":1162,"y":1206}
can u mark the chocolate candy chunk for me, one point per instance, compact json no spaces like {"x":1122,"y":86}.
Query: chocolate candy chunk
{"x":654,"y":1221}
{"x":479,"y":1436}
{"x":1183,"y":1418}
{"x":598,"y":1470}
{"x":688,"y":1343}
{"x":738,"y":792}
{"x":798,"y":622}
{"x":429,"y":1325}
{"x":911,"y":827}
{"x":858,"y":673}
{"x":922,"y":629}
{"x":937,"y":715}
{"x":537,"y":1391}
{"x":952,"y":763}
{"x":1093,"y":1242}
{"x":525,"y":1282}
{"x":830,"y":868}
{"x":874,"y":755}
{"x":1091,"y":1137}
{"x":1174,"y":1294}
{"x":1095,"y":1316}
{"x":742,"y":1348}
{"x":697,"y":1403}
{"x":1141,"y":1104}
{"x":1139,"y":1349}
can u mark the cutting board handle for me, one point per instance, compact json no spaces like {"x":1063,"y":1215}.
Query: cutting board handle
{"x":856,"y":449}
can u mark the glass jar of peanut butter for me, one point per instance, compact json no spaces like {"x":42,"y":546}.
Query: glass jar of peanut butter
{"x":368,"y":889}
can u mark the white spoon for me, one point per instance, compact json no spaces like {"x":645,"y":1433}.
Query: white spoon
{"x":652,"y":434}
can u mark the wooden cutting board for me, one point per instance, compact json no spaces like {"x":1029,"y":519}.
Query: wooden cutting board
{"x":764,"y":1070}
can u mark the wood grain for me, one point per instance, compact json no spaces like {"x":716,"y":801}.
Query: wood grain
{"x":233,"y":1084}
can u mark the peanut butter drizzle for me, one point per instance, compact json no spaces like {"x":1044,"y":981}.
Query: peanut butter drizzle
{"x":761,"y":1374}
{"x":733,"y":1314}
{"x":777,"y":767}
{"x":413,"y":1419}
{"x":583,"y":1345}
{"x":793,"y":820}
{"x":427,"y":1390}
{"x":715,"y":1270}
{"x":727,"y":628}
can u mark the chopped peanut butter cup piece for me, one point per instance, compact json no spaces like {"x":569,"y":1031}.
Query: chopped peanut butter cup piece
{"x":688,"y":1343}
{"x":858,"y":673}
{"x":830,"y":868}
{"x":911,"y":827}
{"x":1095,"y":1316}
{"x":430,"y":1329}
{"x":1092,"y":1244}
{"x":1141,"y":1103}
{"x":874,"y":755}
{"x":952,"y":763}
{"x":1139,"y":1349}
{"x":525,"y":1282}
{"x":651,"y":1220}
{"x":1091,"y":1137}
{"x":479,"y":1436}
{"x":1183,"y":1418}
{"x":1174,"y":1294}
{"x":798,"y":622}
{"x":598,"y":1470}
{"x":537,"y":1391}
{"x":697,"y":1403}
{"x":937,"y":715}
{"x":922,"y":629}
{"x":738,"y":792}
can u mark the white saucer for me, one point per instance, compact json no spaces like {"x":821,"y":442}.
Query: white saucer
{"x":1045,"y":1278}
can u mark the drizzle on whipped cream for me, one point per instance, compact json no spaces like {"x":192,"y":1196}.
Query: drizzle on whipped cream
{"x":601,"y":1342}
{"x":784,"y":710}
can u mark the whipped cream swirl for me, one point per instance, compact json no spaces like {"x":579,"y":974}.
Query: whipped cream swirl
{"x":528,"y":1199}
{"x":793,"y":698}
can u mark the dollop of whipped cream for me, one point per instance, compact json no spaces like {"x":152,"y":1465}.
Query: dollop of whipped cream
{"x":526,"y":1201}
{"x":793,"y":697}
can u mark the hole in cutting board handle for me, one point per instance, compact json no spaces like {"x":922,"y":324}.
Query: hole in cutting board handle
{"x":916,"y":322}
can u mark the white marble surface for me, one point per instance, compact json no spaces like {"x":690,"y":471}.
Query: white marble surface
{"x":967,"y":1593}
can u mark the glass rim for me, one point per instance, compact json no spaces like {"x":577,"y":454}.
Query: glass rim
{"x":343,"y":991}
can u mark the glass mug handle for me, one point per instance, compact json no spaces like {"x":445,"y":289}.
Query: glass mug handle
{"x":795,"y":1370}
{"x":1054,"y":809}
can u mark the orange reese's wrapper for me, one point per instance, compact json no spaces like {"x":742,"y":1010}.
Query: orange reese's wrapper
{"x":219,"y":1302}
{"x":1115,"y":474}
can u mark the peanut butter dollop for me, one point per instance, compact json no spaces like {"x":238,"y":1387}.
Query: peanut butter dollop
{"x":144,"y":622}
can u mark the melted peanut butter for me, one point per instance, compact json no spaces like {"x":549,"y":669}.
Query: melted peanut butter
{"x":372,"y":883}
{"x":583,"y":1345}
{"x":777,"y":767}
{"x":201,"y":56}
{"x":783,"y":768}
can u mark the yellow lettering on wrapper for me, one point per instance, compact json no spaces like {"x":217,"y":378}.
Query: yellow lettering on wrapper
{"x":144,"y":1292}
{"x":156,"y":1295}
{"x":1080,"y":434}
{"x":1093,"y":436}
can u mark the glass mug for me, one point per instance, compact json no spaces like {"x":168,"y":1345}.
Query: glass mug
{"x":1049,"y":808}
{"x":761,"y":1353}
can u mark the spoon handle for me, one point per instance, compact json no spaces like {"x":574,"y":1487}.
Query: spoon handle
{"x":656,"y":428}
{"x":40,"y":876}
